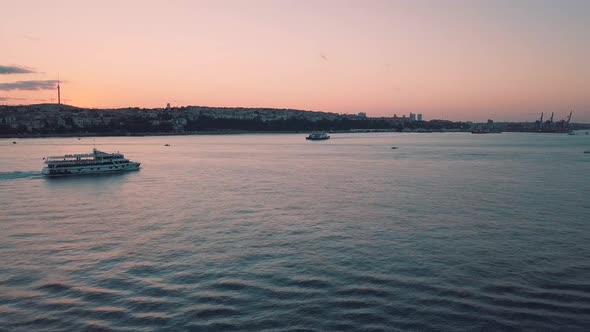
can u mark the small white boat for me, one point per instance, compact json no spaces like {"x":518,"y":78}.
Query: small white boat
{"x":96,"y":162}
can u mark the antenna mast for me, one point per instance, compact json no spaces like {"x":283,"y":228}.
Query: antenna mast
{"x":58,"y":91}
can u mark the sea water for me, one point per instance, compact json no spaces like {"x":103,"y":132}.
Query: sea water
{"x":450,"y":231}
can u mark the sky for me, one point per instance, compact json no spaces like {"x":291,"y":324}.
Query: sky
{"x":460,"y":60}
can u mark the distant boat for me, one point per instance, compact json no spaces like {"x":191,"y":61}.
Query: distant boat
{"x":394,"y":147}
{"x":97,"y":162}
{"x":13,"y":142}
{"x":587,"y":151}
{"x":486,"y":131}
{"x":166,"y":144}
{"x":571,"y":132}
{"x":318,"y":136}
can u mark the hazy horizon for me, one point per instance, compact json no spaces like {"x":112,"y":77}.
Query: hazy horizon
{"x":457,"y":60}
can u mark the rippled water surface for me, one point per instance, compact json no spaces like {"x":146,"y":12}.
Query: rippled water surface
{"x":272,"y":232}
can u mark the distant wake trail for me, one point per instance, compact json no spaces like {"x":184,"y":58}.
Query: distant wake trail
{"x":4,"y":176}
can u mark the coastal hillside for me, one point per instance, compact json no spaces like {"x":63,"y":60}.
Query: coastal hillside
{"x":54,"y":119}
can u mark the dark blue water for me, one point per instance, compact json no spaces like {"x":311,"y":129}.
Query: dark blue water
{"x":275,"y":233}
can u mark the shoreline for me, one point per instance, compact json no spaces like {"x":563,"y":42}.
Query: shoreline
{"x":243,"y":132}
{"x":208,"y":132}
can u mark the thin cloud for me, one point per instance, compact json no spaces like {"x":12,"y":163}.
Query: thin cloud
{"x":31,"y":37}
{"x":23,"y":99}
{"x":29,"y":85}
{"x":14,"y":70}
{"x":11,"y":98}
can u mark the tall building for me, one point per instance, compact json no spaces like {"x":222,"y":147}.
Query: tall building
{"x":419,"y":116}
{"x":412,"y":117}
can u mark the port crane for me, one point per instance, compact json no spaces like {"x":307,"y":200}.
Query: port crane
{"x":567,"y":123}
{"x":549,"y":123}
{"x":540,"y":123}
{"x":549,"y":126}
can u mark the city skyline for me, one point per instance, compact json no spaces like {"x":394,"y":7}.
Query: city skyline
{"x":459,"y":60}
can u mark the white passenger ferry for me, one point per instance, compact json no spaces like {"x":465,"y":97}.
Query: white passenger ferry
{"x":88,"y":163}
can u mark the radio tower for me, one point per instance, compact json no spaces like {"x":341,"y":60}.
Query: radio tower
{"x":58,"y":92}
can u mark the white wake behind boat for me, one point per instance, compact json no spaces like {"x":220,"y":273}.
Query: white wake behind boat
{"x":96,"y":162}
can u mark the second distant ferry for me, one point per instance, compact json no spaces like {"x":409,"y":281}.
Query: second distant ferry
{"x":318,"y":136}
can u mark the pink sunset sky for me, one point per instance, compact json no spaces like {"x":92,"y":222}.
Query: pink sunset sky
{"x":459,"y":60}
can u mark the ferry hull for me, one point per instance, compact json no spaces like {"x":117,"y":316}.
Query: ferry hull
{"x":84,"y":170}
